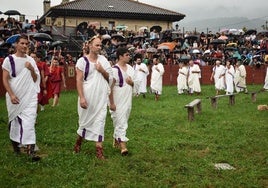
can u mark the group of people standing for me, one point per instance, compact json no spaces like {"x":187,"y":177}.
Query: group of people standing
{"x":227,"y":78}
{"x":99,"y":84}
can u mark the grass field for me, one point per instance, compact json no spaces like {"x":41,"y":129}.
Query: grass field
{"x":166,"y":150}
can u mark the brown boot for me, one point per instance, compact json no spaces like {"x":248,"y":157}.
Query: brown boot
{"x":99,"y":153}
{"x":32,"y":154}
{"x":16,"y":147}
{"x":116,"y":144}
{"x":77,"y":146}
{"x":124,"y":150}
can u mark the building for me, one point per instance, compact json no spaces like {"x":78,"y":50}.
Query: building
{"x":63,"y":19}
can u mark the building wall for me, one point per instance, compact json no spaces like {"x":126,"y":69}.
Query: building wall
{"x":133,"y":25}
{"x":254,"y":76}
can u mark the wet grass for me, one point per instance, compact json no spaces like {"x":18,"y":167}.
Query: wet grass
{"x":166,"y":150}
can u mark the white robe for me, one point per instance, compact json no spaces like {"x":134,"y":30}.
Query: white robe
{"x":182,"y":79}
{"x":193,"y":79}
{"x":157,"y":78}
{"x":96,"y":90}
{"x":218,"y":78}
{"x":141,"y":77}
{"x":266,"y":80}
{"x":229,"y":79}
{"x":123,"y":102}
{"x":242,"y":77}
{"x":22,"y":116}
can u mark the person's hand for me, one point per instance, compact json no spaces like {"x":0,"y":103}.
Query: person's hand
{"x":83,"y":103}
{"x":99,"y":67}
{"x":14,"y":99}
{"x":29,"y":66}
{"x":112,"y":107}
{"x":129,"y":81}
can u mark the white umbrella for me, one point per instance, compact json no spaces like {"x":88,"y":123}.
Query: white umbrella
{"x":143,"y":28}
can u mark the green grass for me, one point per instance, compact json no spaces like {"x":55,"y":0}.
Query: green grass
{"x":166,"y":150}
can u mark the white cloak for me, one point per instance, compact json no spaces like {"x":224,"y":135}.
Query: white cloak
{"x":96,"y":90}
{"x":157,"y":78}
{"x":22,"y":116}
{"x":123,"y":102}
{"x":182,"y":79}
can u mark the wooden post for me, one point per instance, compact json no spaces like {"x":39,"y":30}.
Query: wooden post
{"x":190,"y":113}
{"x":199,"y":108}
{"x":253,"y":96}
{"x":214,"y":102}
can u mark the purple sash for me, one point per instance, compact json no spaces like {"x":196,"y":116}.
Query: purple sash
{"x":120,"y":76}
{"x":12,"y":63}
{"x":86,"y":69}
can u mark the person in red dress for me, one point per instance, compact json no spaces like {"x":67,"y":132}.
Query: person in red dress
{"x":56,"y":78}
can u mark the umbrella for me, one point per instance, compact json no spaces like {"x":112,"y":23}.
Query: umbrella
{"x":118,"y":37}
{"x":122,"y":27}
{"x":57,"y":43}
{"x":12,"y":12}
{"x":223,"y":37}
{"x":217,"y":41}
{"x":140,"y":51}
{"x":42,"y":37}
{"x":191,"y":37}
{"x":156,"y":27}
{"x":1,"y":12}
{"x":151,"y":50}
{"x":195,"y":51}
{"x":232,"y":44}
{"x":250,"y":31}
{"x":12,"y":39}
{"x":106,"y":36}
{"x":166,"y":46}
{"x":143,"y":28}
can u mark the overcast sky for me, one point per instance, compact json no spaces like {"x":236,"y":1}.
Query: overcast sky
{"x":193,"y":9}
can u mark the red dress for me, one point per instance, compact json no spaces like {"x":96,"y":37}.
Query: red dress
{"x":42,"y":98}
{"x":55,"y":79}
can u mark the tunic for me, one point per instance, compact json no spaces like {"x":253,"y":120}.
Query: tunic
{"x":122,"y":94}
{"x":182,"y":79}
{"x":22,"y":116}
{"x":157,"y":78}
{"x":96,"y":90}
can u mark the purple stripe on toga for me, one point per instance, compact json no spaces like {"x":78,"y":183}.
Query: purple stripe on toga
{"x":12,"y":63}
{"x":121,"y":80}
{"x":84,"y":133}
{"x":100,"y":138}
{"x":21,"y":129}
{"x":87,"y":68}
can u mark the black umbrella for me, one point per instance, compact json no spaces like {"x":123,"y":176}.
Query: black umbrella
{"x":250,"y":31}
{"x":57,"y":43}
{"x":42,"y":37}
{"x":191,"y":37}
{"x":156,"y":27}
{"x":12,"y":12}
{"x":217,"y":41}
{"x":118,"y":37}
{"x":1,"y":12}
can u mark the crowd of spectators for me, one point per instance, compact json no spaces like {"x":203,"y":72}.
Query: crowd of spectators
{"x":173,"y":46}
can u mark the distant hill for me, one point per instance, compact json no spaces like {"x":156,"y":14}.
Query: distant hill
{"x":216,"y":24}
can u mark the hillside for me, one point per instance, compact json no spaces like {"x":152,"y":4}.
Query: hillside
{"x":216,"y":24}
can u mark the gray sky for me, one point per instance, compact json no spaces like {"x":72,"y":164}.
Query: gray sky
{"x":193,"y":9}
